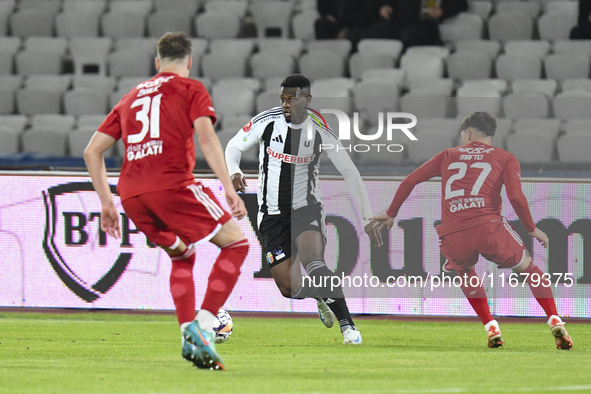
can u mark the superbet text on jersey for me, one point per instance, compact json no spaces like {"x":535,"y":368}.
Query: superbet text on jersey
{"x":155,"y":121}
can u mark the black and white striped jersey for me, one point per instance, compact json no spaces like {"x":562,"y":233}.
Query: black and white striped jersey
{"x":289,"y":161}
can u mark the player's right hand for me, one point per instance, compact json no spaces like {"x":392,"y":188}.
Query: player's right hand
{"x":540,"y":236}
{"x":110,"y":221}
{"x":236,"y":204}
{"x":238,"y":182}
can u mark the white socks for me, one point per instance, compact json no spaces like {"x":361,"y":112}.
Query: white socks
{"x":207,"y":321}
{"x":491,"y":323}
{"x":549,"y":322}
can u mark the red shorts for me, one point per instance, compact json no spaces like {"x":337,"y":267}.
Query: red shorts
{"x":190,"y":213}
{"x":496,"y":241}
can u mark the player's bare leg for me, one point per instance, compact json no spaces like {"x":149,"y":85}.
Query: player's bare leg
{"x":542,"y":290}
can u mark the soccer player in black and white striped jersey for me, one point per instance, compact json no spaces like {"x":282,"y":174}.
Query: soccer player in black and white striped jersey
{"x":291,"y":214}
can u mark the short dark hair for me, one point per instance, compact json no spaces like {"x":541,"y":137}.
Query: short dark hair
{"x":481,"y":121}
{"x":174,"y":46}
{"x":296,"y":81}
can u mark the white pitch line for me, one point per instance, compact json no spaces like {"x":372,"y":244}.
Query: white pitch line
{"x":459,"y":390}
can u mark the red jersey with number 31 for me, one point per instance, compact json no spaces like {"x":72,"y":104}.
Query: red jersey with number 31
{"x":155,"y":121}
{"x":472,"y":176}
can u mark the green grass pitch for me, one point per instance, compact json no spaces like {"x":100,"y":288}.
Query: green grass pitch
{"x":115,"y":353}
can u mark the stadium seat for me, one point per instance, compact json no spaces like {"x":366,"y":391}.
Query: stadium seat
{"x":272,"y":17}
{"x":269,"y":64}
{"x":77,"y":23}
{"x":556,"y":25}
{"x":90,"y":54}
{"x":572,"y":105}
{"x":51,"y":7}
{"x":124,"y":85}
{"x":8,"y":48}
{"x":41,"y":56}
{"x":547,"y":87}
{"x":199,"y":46}
{"x":42,"y":94}
{"x":79,"y":102}
{"x":30,"y":23}
{"x":235,"y":122}
{"x":425,"y":106}
{"x":530,"y":8}
{"x":431,"y":143}
{"x":188,"y":7}
{"x":374,"y":53}
{"x":422,"y":66}
{"x":237,"y":8}
{"x":138,"y":7}
{"x":46,"y":141}
{"x":123,"y":24}
{"x":9,"y":84}
{"x":292,"y":47}
{"x":94,"y":82}
{"x":372,"y":97}
{"x":531,"y":147}
{"x":565,"y":66}
{"x":500,"y":85}
{"x":580,"y":125}
{"x":273,"y":84}
{"x":481,"y":8}
{"x":6,"y":8}
{"x":392,"y":75}
{"x":461,"y":27}
{"x":96,"y":7}
{"x":539,"y":48}
{"x":214,"y":25}
{"x":303,"y":25}
{"x":253,"y":84}
{"x":165,"y":21}
{"x":90,"y":121}
{"x":332,"y":93}
{"x":78,"y":141}
{"x":341,"y":47}
{"x":322,"y":64}
{"x":235,"y":46}
{"x":575,"y":46}
{"x":432,"y":87}
{"x":267,"y":99}
{"x":448,"y":126}
{"x":9,"y":140}
{"x":511,"y":26}
{"x":466,"y":64}
{"x":550,"y":127}
{"x":228,"y":100}
{"x":63,"y":123}
{"x":218,"y":65}
{"x":478,"y":97}
{"x":514,"y":66}
{"x":573,"y":147}
{"x":383,"y":157}
{"x":429,"y":50}
{"x":15,"y":122}
{"x":526,"y":105}
{"x":566,"y":7}
{"x":504,"y":127}
{"x":489,"y":47}
{"x":133,"y":57}
{"x":225,"y":135}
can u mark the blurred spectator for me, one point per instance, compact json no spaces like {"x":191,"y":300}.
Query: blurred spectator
{"x":582,"y":31}
{"x":355,"y":19}
{"x":417,"y":21}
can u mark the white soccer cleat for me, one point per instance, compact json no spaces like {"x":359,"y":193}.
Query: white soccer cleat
{"x":326,"y":315}
{"x":352,"y":337}
{"x":561,"y":336}
{"x":493,"y":334}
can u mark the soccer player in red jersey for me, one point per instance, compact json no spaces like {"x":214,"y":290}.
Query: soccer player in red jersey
{"x":472,"y":176}
{"x":157,"y":121}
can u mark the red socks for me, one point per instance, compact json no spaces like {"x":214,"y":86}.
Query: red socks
{"x":224,"y":274}
{"x":476,"y":295}
{"x":182,"y":286}
{"x":541,"y":289}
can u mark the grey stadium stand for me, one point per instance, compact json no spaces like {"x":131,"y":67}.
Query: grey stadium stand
{"x":30,"y":23}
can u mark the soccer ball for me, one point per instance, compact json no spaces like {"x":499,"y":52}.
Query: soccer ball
{"x":224,"y":330}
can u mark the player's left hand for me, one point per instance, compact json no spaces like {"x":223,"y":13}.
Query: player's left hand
{"x":382,"y":221}
{"x":110,"y":221}
{"x":374,"y":234}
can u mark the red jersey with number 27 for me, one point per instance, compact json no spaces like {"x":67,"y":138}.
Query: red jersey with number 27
{"x":155,"y":121}
{"x":472,"y":176}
